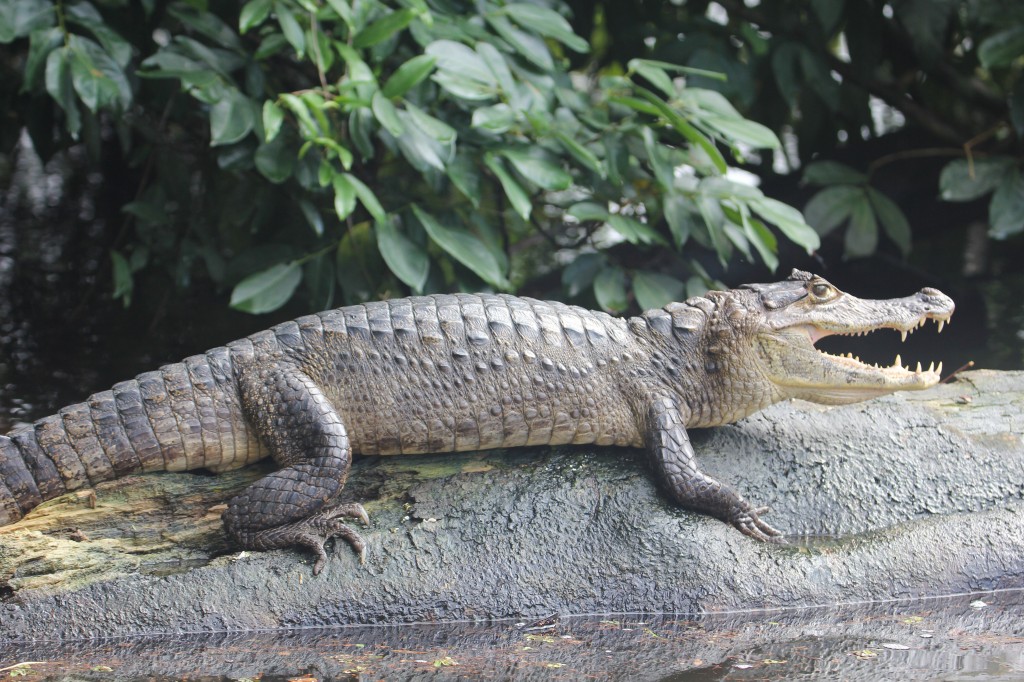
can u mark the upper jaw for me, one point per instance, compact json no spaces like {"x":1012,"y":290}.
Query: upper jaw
{"x":856,"y":317}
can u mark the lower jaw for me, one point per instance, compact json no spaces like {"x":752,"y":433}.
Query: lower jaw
{"x":842,"y":395}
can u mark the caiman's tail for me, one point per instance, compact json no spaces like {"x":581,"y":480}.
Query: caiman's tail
{"x":183,"y":416}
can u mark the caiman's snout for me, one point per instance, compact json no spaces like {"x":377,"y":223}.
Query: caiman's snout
{"x":927,"y":304}
{"x":934,"y":303}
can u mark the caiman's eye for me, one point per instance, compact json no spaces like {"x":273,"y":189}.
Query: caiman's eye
{"x":822,"y":291}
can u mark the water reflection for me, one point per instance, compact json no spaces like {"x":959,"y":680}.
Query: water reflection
{"x":976,"y":637}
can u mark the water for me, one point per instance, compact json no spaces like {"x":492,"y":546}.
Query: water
{"x":977,"y":637}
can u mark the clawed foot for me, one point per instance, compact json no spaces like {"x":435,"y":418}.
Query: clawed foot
{"x":747,"y":520}
{"x":313,"y":532}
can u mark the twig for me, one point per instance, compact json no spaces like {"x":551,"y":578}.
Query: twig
{"x":24,"y":663}
{"x":967,"y":365}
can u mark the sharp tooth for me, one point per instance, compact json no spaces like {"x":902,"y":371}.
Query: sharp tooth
{"x":931,"y":366}
{"x":918,"y":370}
{"x":903,"y":334}
{"x":941,"y":323}
{"x":898,"y":362}
{"x":939,"y":368}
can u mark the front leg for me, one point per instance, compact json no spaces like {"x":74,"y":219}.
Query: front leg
{"x":676,"y":469}
{"x":305,"y":435}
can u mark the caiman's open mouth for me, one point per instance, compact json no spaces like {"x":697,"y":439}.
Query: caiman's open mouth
{"x":897,"y":371}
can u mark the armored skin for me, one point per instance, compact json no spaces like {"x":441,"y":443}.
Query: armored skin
{"x":461,"y":372}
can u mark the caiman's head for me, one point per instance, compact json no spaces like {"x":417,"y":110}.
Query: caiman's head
{"x":803,"y":309}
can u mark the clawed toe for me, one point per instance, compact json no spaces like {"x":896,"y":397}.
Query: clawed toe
{"x":749,"y":523}
{"x":352,"y":510}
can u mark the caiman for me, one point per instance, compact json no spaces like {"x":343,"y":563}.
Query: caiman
{"x":464,"y":372}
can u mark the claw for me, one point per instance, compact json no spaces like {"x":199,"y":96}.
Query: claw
{"x":748,"y":522}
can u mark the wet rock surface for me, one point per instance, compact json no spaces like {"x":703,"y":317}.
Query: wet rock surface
{"x":916,"y":495}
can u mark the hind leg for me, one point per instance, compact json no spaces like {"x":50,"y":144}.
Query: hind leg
{"x":292,"y":507}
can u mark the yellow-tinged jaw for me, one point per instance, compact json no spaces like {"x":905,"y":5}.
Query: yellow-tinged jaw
{"x":800,"y":370}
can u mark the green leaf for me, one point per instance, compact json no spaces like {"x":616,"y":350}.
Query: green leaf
{"x":658,"y":158}
{"x":579,"y":275}
{"x":19,"y":18}
{"x":319,"y":278}
{"x":893,"y":221}
{"x":206,"y":24}
{"x":786,"y":69}
{"x":688,"y":70}
{"x":517,"y":196}
{"x":862,"y":235}
{"x":313,"y":217}
{"x":423,"y":151}
{"x":298,"y":106}
{"x":762,"y":239}
{"x":789,"y":221}
{"x":122,"y":272}
{"x":962,"y":180}
{"x":744,"y":131}
{"x":589,"y":211}
{"x":538,"y":170}
{"x":267,"y":290}
{"x":358,"y":70}
{"x":829,"y":12}
{"x":634,"y":231}
{"x":464,"y":247}
{"x":367,"y":198}
{"x":679,"y":215}
{"x":253,"y":13}
{"x":41,"y":44}
{"x":832,"y":173}
{"x":581,"y":153}
{"x":832,"y":206}
{"x":408,"y":75}
{"x":465,"y":175}
{"x":344,"y":195}
{"x":383,"y":28}
{"x":529,"y":46}
{"x":231,"y":119}
{"x":404,"y":257}
{"x":714,"y":220}
{"x":359,"y":266}
{"x":654,"y":290}
{"x":435,"y":128}
{"x":386,"y":114}
{"x":290,"y":27}
{"x":496,"y":62}
{"x":496,"y":119}
{"x":60,"y":87}
{"x":1003,"y":48}
{"x":273,"y":117}
{"x":548,"y":23}
{"x":276,"y":159}
{"x":85,"y":15}
{"x":684,"y":128}
{"x":97,"y":77}
{"x":610,"y":289}
{"x":462,"y":62}
{"x":343,"y":10}
{"x":926,"y":23}
{"x":1006,"y":210}
{"x":655,"y":74}
{"x":1016,"y":104}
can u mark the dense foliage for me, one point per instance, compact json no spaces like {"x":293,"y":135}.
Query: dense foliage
{"x":350,"y":149}
{"x":384,"y":147}
{"x":830,"y":75}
